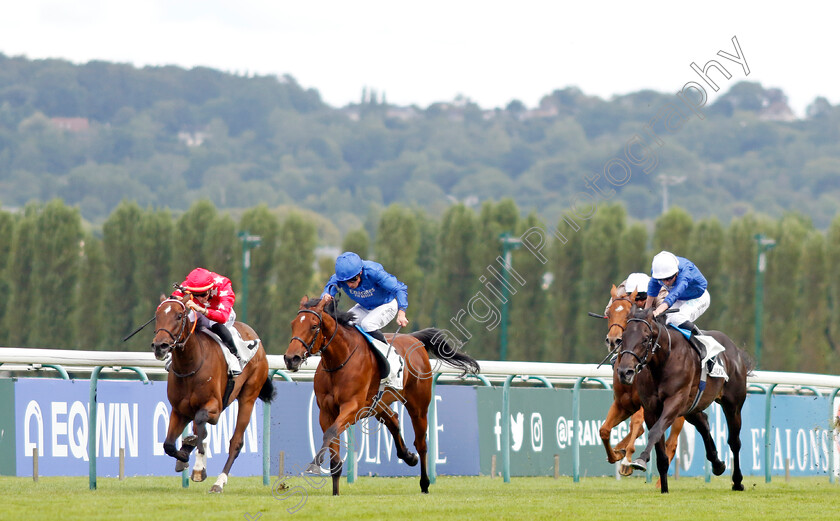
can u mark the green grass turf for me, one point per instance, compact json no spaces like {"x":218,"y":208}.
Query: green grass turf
{"x":461,"y":498}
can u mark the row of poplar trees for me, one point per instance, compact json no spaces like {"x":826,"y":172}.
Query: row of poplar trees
{"x":67,"y":288}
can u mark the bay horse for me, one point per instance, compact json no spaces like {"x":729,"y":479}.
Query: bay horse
{"x":666,"y":371}
{"x":197,"y":385}
{"x":347,"y":380}
{"x":626,"y":401}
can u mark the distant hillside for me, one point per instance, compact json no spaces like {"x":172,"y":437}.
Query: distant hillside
{"x":98,"y":133}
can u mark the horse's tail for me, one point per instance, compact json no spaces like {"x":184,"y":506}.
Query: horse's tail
{"x":435,"y":342}
{"x":268,"y":392}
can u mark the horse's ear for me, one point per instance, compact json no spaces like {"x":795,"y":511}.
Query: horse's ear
{"x":303,"y":301}
{"x":162,"y":297}
{"x":633,"y":295}
{"x":614,"y":292}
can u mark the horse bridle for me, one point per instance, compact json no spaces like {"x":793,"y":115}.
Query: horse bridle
{"x":651,"y":345}
{"x":184,"y":318}
{"x":323,"y":349}
{"x":610,"y":326}
{"x":180,"y":345}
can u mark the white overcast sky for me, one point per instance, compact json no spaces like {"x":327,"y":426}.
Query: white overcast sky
{"x":422,"y":52}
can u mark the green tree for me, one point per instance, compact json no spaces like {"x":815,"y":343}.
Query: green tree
{"x":153,"y":274}
{"x":93,"y":317}
{"x":705,"y":249}
{"x":814,"y":350}
{"x":456,"y":278}
{"x":566,"y":264}
{"x":264,"y":270}
{"x":529,"y":312}
{"x":494,"y":220}
{"x":673,"y":232}
{"x":632,"y":252}
{"x":7,"y":234}
{"x":783,"y":296}
{"x":58,"y":234}
{"x":297,"y":257}
{"x":20,"y":318}
{"x":599,"y":273}
{"x":397,"y":248}
{"x":832,"y":272}
{"x":357,"y":241}
{"x":119,"y":239}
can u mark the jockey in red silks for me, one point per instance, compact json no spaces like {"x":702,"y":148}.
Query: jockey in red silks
{"x":213,"y":300}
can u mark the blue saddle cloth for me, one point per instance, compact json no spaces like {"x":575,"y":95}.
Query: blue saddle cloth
{"x":384,"y":366}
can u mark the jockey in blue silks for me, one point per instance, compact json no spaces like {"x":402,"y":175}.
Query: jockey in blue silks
{"x":686,"y":290}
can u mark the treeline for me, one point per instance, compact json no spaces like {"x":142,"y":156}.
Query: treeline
{"x":171,"y":137}
{"x":65,"y":288}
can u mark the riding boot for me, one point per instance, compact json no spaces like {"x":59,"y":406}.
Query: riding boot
{"x":227,"y":338}
{"x":695,"y":343}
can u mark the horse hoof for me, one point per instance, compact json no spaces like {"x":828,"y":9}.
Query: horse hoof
{"x":199,"y":476}
{"x":738,"y":487}
{"x":717,"y":470}
{"x":180,"y":466}
{"x":313,"y":469}
{"x":189,"y":441}
{"x":411,"y":459}
{"x":215,"y":489}
{"x":625,"y":470}
{"x":639,"y":464}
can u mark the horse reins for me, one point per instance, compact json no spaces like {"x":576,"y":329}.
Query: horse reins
{"x":649,"y":350}
{"x":323,"y":349}
{"x":180,"y":345}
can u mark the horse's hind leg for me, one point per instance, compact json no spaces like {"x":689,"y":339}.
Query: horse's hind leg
{"x":391,"y":421}
{"x":243,"y":417}
{"x":733,"y":421}
{"x":701,"y":422}
{"x":420,"y":422}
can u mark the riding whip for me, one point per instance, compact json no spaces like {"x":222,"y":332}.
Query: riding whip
{"x":138,"y":329}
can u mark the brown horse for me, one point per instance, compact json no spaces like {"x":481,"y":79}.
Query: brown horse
{"x":197,"y":385}
{"x":666,"y":372}
{"x":347,"y":380}
{"x":627,"y":403}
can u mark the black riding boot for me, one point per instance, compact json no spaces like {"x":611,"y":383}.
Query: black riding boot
{"x":696,"y":344}
{"x":377,"y":334}
{"x":226,"y":337}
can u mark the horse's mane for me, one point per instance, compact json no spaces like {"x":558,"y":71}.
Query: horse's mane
{"x":344,"y":318}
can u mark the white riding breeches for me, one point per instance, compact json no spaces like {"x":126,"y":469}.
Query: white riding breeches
{"x":376,"y":318}
{"x":689,"y":309}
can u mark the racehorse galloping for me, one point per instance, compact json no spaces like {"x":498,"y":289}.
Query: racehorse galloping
{"x":347,"y":380}
{"x":626,"y":401}
{"x":667,"y":373}
{"x":197,"y":384}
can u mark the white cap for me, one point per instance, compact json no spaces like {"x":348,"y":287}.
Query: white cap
{"x":665,"y":264}
{"x":637,"y":282}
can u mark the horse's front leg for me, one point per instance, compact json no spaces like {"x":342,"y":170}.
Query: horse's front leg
{"x":662,"y":464}
{"x":628,"y":444}
{"x":657,"y":428}
{"x":615,"y":415}
{"x":176,"y":427}
{"x":199,"y":472}
{"x":331,"y":443}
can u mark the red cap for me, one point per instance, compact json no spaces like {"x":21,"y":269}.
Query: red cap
{"x":198,"y":281}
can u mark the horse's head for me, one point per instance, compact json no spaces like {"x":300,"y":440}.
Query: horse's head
{"x":617,"y":315}
{"x":306,"y":331}
{"x":640,"y":343}
{"x":173,"y":326}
